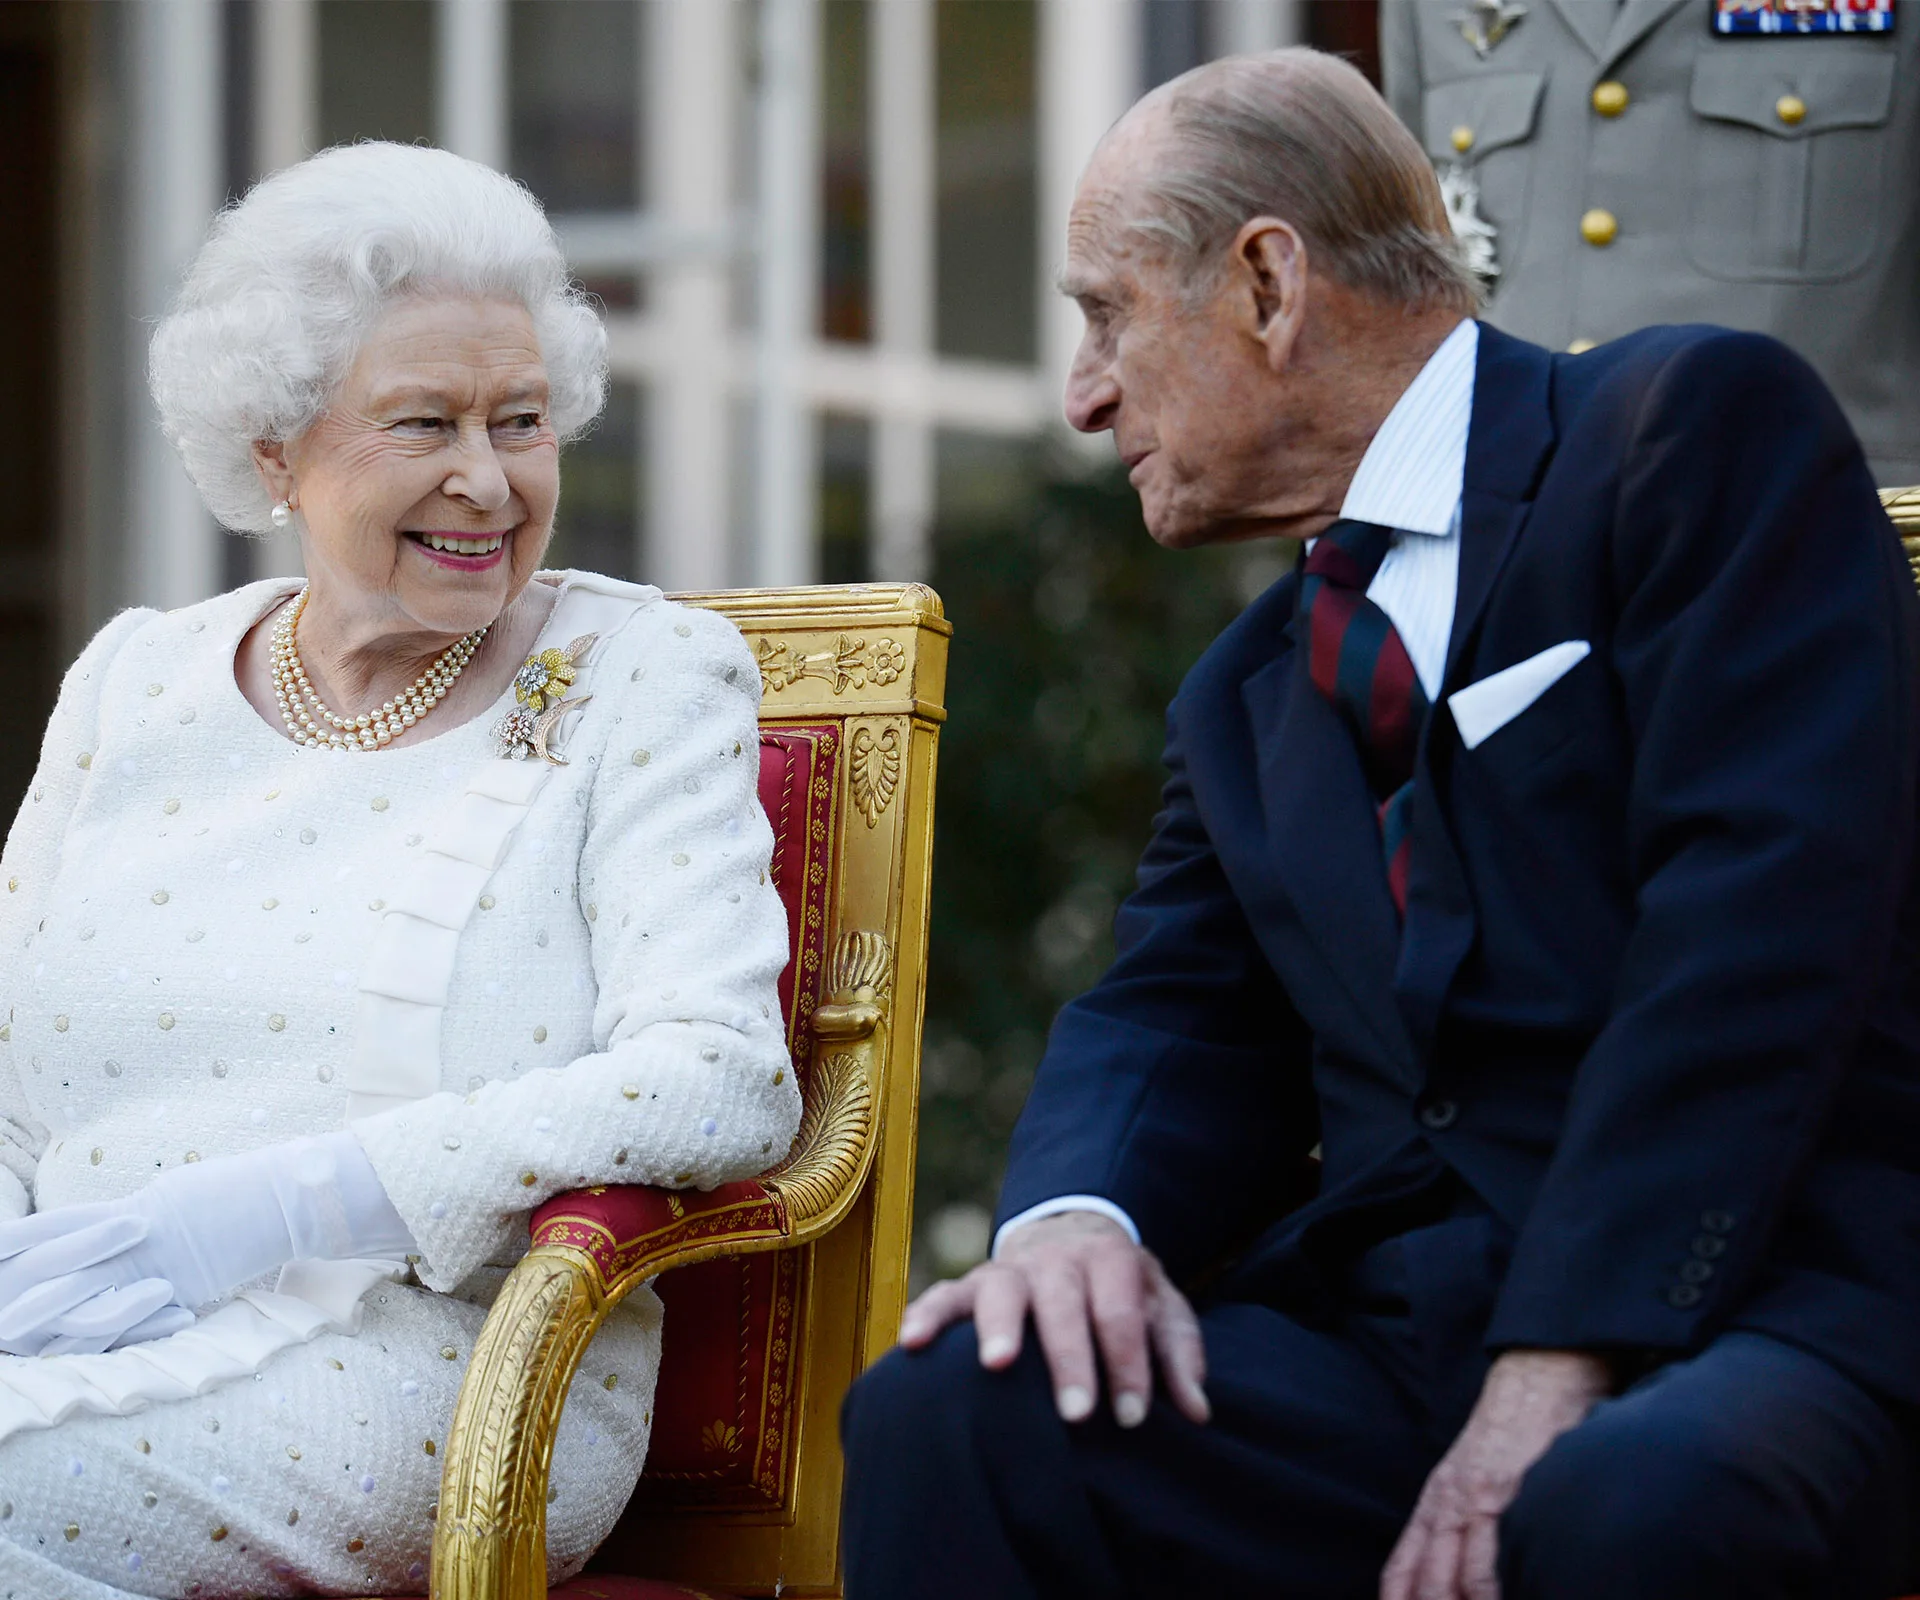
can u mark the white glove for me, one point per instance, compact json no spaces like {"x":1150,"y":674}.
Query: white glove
{"x":114,"y":1317}
{"x":91,"y":1277}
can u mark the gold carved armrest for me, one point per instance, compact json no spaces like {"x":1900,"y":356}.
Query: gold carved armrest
{"x":591,"y":1247}
{"x":1903,"y":507}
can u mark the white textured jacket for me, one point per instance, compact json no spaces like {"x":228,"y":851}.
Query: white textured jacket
{"x":509,"y":979}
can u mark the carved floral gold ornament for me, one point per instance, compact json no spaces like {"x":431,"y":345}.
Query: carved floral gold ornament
{"x":851,"y":663}
{"x":1903,"y":508}
{"x":540,"y":687}
{"x":1486,"y":22}
{"x":720,"y":1437}
{"x":860,"y":977}
{"x":836,"y":1122}
{"x":875,"y":771}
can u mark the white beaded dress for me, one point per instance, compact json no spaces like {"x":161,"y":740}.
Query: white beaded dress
{"x":508,"y":978}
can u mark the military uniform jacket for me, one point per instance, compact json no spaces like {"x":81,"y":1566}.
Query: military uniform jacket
{"x":1768,"y":183}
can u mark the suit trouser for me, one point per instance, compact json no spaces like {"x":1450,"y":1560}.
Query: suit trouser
{"x":1750,"y":1472}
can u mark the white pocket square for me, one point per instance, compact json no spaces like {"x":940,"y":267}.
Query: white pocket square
{"x":1482,"y":709}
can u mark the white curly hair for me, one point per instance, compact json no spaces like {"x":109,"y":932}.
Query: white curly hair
{"x":275,"y":307}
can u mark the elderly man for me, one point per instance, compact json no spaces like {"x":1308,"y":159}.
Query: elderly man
{"x":1542,"y":849}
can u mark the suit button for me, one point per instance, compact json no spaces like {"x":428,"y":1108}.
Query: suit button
{"x":1462,"y":139}
{"x":1717,"y":1221}
{"x":1610,"y":98}
{"x":1790,"y":109}
{"x":1683,"y":1296}
{"x":1439,"y":1114}
{"x":1706,"y":1246}
{"x":1599,"y":227}
{"x":1695,"y":1271}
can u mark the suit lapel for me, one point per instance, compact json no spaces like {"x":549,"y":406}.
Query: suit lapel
{"x":1588,"y":20}
{"x":1508,"y":440}
{"x":1322,"y":839}
{"x":1325,"y":842}
{"x":1634,"y":21}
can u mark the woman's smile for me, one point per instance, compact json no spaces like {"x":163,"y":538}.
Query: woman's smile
{"x":468,"y":552}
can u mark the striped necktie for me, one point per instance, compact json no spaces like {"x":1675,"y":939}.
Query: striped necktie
{"x":1358,"y":662}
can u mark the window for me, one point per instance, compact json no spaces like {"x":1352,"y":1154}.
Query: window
{"x":846,"y":310}
{"x":987,"y":223}
{"x":601,"y":492}
{"x":376,"y":70}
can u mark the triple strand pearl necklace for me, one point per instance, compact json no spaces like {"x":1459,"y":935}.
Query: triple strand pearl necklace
{"x":295,"y":693}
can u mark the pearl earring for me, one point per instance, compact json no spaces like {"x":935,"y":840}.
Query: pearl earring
{"x":281,"y":514}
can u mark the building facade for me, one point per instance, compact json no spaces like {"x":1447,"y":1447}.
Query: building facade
{"x":824,"y":231}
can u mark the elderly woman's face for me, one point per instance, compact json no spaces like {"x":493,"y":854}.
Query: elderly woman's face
{"x":428,"y":486}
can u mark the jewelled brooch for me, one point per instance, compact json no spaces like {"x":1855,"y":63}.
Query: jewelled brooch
{"x":540,"y":690}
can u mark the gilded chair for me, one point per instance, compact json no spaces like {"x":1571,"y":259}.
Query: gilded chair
{"x":1903,"y":506}
{"x":780,"y":1290}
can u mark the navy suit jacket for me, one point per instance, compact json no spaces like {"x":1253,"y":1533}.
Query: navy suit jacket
{"x":1655,"y":997}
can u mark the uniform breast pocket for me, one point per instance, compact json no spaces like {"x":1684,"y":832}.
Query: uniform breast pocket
{"x":1484,"y":123}
{"x":1787,"y":173}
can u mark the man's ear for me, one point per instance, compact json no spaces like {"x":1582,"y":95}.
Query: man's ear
{"x":270,"y":460}
{"x":1270,"y":259}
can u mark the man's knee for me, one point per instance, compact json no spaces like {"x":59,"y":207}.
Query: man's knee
{"x":904,"y":1390}
{"x":1749,"y":1472}
{"x":1607,"y":1508}
{"x":940,"y":1400}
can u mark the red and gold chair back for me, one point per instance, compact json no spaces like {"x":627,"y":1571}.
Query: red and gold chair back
{"x":778,"y":1291}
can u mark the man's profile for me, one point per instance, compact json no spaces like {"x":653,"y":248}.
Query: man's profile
{"x":1540,"y":851}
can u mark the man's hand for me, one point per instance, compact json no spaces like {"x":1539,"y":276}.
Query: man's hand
{"x":1451,"y":1546}
{"x":1086,"y":1283}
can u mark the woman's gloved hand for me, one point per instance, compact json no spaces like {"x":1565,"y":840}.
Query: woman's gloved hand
{"x":115,"y":1317}
{"x":90,"y":1277}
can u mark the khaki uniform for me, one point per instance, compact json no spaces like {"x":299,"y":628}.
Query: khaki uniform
{"x":1638,"y":168}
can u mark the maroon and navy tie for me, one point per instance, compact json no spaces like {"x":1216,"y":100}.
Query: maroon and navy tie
{"x":1357,"y":661}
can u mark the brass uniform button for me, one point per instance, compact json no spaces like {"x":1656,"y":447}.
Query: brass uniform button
{"x":1599,"y":227}
{"x":1580,"y":347}
{"x":1463,"y":138}
{"x":1610,"y":98}
{"x":1790,"y":109}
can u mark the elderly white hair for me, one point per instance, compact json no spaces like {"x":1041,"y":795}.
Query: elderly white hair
{"x":1300,"y":135}
{"x":292,"y":278}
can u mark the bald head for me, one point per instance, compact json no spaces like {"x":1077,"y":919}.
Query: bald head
{"x":1293,"y":134}
{"x":1263,"y":263}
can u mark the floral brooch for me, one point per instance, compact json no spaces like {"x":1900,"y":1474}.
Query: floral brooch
{"x":540,"y":688}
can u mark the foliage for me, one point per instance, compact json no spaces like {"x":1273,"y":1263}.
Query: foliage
{"x":1072,"y":630}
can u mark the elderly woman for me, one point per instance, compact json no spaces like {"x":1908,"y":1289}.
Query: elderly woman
{"x":347,"y":920}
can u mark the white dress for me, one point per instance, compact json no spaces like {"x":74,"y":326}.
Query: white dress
{"x":509,"y":979}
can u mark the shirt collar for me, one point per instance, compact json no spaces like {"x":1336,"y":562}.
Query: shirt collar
{"x":1411,"y":476}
